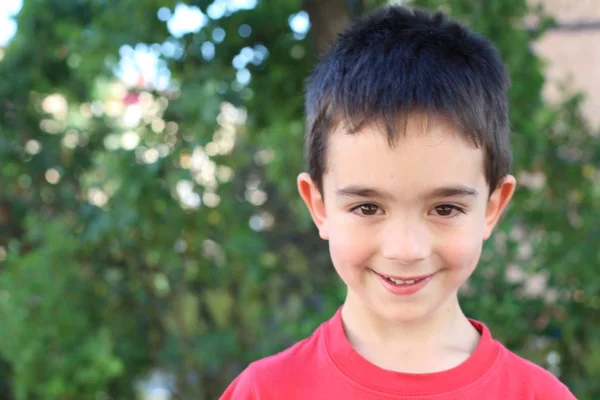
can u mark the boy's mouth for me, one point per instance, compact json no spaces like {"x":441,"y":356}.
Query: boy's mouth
{"x":404,"y":285}
{"x":405,"y":280}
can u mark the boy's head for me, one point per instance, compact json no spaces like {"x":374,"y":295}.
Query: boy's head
{"x":397,"y":61}
{"x":409,"y":156}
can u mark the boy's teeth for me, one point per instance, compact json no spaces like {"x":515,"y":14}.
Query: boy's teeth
{"x":401,"y":282}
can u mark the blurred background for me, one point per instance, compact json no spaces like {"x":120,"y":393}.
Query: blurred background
{"x":152,"y":243}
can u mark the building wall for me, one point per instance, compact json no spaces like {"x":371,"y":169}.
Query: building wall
{"x":572,"y":51}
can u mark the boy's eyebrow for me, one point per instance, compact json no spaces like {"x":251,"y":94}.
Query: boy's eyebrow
{"x":362,"y":191}
{"x":444,"y":191}
{"x":452,"y":191}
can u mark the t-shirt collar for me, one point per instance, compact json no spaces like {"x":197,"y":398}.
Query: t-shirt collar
{"x":357,"y":368}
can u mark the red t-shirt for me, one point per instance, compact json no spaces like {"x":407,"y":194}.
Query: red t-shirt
{"x":325,"y":366}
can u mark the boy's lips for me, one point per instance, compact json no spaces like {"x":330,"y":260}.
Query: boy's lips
{"x":405,"y":278}
{"x":403,"y":286}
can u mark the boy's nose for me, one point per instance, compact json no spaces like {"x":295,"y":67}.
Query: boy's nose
{"x":405,"y":243}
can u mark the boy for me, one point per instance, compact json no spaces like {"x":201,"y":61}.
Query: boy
{"x":409,"y":155}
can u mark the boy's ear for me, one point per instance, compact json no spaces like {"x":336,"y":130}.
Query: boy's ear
{"x":314,"y":202}
{"x":497,"y":202}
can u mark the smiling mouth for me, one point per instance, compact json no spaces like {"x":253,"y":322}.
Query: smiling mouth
{"x":405,"y":280}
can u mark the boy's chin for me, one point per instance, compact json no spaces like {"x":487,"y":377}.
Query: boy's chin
{"x":405,"y":315}
{"x":390,"y":313}
{"x":424,"y":310}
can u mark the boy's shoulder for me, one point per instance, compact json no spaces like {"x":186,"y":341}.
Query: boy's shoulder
{"x":529,"y":374}
{"x":280,"y":371}
{"x":298,"y":355}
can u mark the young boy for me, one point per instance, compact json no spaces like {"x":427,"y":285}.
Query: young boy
{"x":409,"y":155}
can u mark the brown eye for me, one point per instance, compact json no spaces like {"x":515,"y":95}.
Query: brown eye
{"x":367,"y":209}
{"x":444,"y":211}
{"x":449,"y":211}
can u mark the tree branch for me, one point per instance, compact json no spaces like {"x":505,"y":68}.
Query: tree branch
{"x":577,"y":26}
{"x":328,"y":18}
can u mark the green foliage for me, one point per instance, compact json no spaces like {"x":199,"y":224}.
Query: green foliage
{"x":114,"y":269}
{"x":58,"y":348}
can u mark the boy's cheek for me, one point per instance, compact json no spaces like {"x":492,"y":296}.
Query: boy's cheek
{"x":349,"y":246}
{"x":462,"y":253}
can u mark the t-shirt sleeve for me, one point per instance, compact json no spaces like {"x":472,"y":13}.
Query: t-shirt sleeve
{"x":558,"y":392}
{"x":242,"y":388}
{"x":550,"y":388}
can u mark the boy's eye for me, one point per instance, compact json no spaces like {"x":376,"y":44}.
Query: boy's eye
{"x":448,"y":210}
{"x":366,"y":209}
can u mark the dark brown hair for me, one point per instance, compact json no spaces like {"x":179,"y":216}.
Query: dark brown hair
{"x":397,"y":61}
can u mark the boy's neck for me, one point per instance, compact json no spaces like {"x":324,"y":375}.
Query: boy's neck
{"x":439,"y":342}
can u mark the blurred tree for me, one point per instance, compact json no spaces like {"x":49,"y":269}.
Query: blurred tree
{"x":149,"y":219}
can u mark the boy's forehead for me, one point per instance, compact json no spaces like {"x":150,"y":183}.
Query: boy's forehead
{"x":426,"y":151}
{"x":417,"y":122}
{"x":420,"y":127}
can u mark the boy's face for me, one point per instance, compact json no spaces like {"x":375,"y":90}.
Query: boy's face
{"x":417,"y":211}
